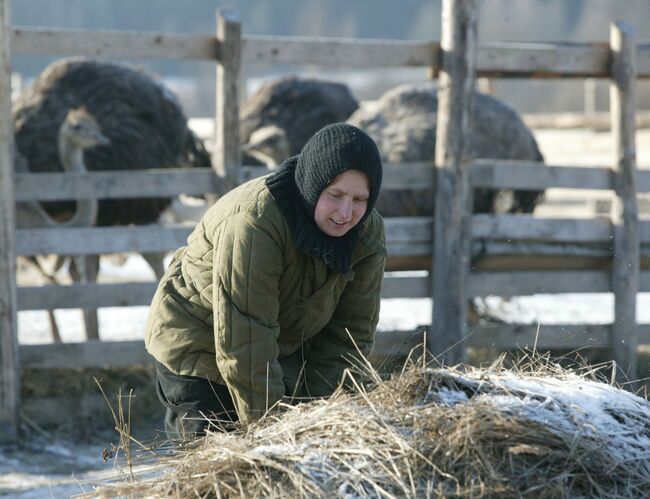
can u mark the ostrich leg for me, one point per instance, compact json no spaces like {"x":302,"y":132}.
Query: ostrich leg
{"x":85,"y":269}
{"x":80,"y":131}
{"x":156,"y":262}
{"x":54,"y":327}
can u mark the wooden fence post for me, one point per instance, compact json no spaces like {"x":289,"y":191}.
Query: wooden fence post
{"x":226,"y":155}
{"x":589,"y":88}
{"x":9,"y":361}
{"x":625,"y":213}
{"x":453,"y":206}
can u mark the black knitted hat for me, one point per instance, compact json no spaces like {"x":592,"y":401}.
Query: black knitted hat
{"x":332,"y":151}
{"x":299,"y":182}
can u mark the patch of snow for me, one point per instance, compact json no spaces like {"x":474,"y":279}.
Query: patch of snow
{"x":569,"y":403}
{"x":445,"y":396}
{"x":52,"y":470}
{"x":115,"y":324}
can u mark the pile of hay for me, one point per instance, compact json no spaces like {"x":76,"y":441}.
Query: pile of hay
{"x":428,"y":432}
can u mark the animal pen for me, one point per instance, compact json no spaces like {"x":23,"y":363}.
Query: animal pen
{"x":521,"y":254}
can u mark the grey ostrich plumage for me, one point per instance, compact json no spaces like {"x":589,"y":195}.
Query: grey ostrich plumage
{"x":297,"y":106}
{"x":143,"y":120}
{"x":403,"y":124}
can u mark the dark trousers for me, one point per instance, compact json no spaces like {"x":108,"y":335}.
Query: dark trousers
{"x":193,"y":404}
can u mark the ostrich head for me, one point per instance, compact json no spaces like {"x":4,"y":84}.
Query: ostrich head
{"x":79,"y":131}
{"x":269,"y":145}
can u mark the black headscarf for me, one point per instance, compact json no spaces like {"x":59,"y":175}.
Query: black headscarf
{"x":297,"y":185}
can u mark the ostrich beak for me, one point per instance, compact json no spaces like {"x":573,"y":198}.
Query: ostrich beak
{"x":102,"y":140}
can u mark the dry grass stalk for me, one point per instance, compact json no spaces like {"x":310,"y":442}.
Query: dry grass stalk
{"x":529,"y":431}
{"x":122,"y":421}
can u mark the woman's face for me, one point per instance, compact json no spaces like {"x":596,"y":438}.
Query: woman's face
{"x":342,"y":203}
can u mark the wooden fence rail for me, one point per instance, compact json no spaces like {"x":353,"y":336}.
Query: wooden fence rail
{"x":405,"y":236}
{"x":495,"y":283}
{"x":495,"y":59}
{"x":93,"y":354}
{"x":486,"y":173}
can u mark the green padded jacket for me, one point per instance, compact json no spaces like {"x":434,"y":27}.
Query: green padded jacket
{"x":243,"y":307}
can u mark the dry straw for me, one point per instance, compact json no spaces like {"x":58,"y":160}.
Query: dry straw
{"x":533,"y":431}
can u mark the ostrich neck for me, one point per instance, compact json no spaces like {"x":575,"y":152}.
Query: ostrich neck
{"x":267,"y":159}
{"x":71,"y":155}
{"x":72,"y":158}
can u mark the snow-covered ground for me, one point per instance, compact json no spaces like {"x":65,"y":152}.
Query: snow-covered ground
{"x":34,"y":471}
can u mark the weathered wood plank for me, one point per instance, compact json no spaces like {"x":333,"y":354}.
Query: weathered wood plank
{"x":503,"y":174}
{"x":494,"y":58}
{"x":452,"y":227}
{"x":140,"y":293}
{"x":419,"y":175}
{"x":406,"y":287}
{"x":542,"y":60}
{"x":507,"y":336}
{"x":643,"y":60}
{"x":531,"y":228}
{"x":196,"y":181}
{"x":388,"y":344}
{"x":338,"y":52}
{"x":523,"y":257}
{"x":9,"y":355}
{"x":548,"y":255}
{"x":625,"y":211}
{"x":226,"y":154}
{"x":642,"y":181}
{"x":86,"y":355}
{"x":409,"y":236}
{"x":516,"y":258}
{"x":110,"y":43}
{"x":93,"y":354}
{"x":505,"y":283}
{"x":503,"y":235}
{"x":53,"y":297}
{"x":528,"y":283}
{"x":409,"y":176}
{"x":92,"y":241}
{"x":408,"y":229}
{"x":392,"y":344}
{"x":549,"y":337}
{"x":114,"y":184}
{"x":542,"y":337}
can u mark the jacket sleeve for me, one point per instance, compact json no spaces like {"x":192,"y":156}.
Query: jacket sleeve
{"x":330,"y":351}
{"x":248,"y":263}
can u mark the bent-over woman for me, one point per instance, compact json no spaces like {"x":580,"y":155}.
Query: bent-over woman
{"x":277,"y":288}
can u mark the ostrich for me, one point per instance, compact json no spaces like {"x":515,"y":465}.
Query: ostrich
{"x":278,"y":119}
{"x":267,"y":145}
{"x":403,"y":124}
{"x":142,"y":119}
{"x":78,"y":132}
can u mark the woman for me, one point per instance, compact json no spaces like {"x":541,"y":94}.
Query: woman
{"x":278,"y":287}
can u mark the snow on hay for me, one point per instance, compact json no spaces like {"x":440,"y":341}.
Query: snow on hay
{"x":538,"y":431}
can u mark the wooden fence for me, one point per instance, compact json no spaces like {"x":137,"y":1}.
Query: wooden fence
{"x":521,"y":254}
